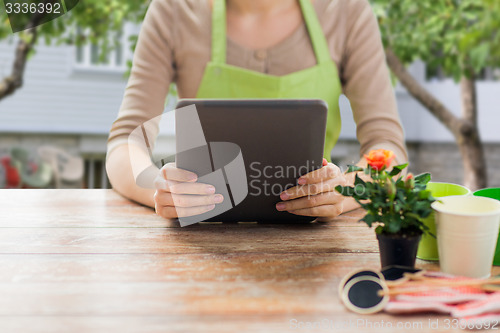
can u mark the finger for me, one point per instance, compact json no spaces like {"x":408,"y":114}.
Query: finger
{"x":328,"y":198}
{"x":192,"y":188}
{"x":171,"y":172}
{"x":312,"y":189}
{"x":187,"y":200}
{"x":163,"y":184}
{"x":328,"y":171}
{"x":320,"y":211}
{"x":172,"y":212}
{"x":183,"y":187}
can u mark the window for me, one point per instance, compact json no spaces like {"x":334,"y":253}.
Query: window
{"x":92,"y":56}
{"x":486,"y":74}
{"x":489,"y":74}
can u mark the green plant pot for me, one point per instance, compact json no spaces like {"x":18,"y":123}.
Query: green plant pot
{"x":398,"y":249}
{"x":428,"y":249}
{"x":493,"y":193}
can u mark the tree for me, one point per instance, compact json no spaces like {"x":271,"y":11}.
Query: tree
{"x":90,"y":21}
{"x":459,"y":38}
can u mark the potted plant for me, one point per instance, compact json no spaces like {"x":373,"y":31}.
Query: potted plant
{"x":395,"y":203}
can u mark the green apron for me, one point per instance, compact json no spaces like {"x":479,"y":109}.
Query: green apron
{"x":221,"y":80}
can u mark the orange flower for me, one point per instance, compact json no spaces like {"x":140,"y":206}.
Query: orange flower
{"x":380,"y":158}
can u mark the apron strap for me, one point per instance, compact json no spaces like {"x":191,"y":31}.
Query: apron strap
{"x":219,"y":32}
{"x":316,"y":35}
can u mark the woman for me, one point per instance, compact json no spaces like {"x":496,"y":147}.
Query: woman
{"x":258,"y":48}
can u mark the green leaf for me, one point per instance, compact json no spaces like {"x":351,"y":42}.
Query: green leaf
{"x":479,"y":56}
{"x":347,"y":191}
{"x":413,"y":215}
{"x":359,"y":181}
{"x":397,"y":169}
{"x":369,"y":219}
{"x":362,"y":193}
{"x":423,"y":178}
{"x":354,"y":168}
{"x":393,"y":226}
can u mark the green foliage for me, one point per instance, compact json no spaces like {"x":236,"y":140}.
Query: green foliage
{"x":395,"y":205}
{"x":90,"y":21}
{"x":397,"y":169}
{"x":5,"y":30}
{"x":353,"y":168}
{"x":458,"y":36}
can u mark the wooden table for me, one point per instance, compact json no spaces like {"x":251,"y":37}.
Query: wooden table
{"x":91,"y":261}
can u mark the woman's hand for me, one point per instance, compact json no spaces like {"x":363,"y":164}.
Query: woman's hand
{"x":315,"y":195}
{"x":179,"y":195}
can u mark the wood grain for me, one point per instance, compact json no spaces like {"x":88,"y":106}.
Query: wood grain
{"x":91,"y":261}
{"x":91,"y":208}
{"x":203,"y":239}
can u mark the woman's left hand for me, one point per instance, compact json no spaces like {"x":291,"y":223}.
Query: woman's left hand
{"x":315,"y":195}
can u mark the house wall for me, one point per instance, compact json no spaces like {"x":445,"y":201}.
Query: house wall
{"x":57,"y":97}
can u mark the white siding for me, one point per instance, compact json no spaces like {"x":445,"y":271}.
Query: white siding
{"x":56,"y":97}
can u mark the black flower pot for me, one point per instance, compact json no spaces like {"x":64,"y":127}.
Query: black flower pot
{"x":398,"y":249}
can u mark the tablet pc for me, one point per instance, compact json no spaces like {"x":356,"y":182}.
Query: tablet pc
{"x":251,"y":151}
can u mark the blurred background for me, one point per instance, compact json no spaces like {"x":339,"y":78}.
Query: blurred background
{"x":61,"y":86}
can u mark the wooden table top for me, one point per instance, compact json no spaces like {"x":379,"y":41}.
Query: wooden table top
{"x":92,"y":261}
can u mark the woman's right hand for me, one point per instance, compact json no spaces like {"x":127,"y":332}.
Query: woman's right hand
{"x":179,"y":195}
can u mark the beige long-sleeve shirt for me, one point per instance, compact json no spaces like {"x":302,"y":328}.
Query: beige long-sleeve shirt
{"x":174,"y":45}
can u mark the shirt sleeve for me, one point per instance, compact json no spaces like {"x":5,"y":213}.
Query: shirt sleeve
{"x":151,"y":74}
{"x":367,"y":84}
